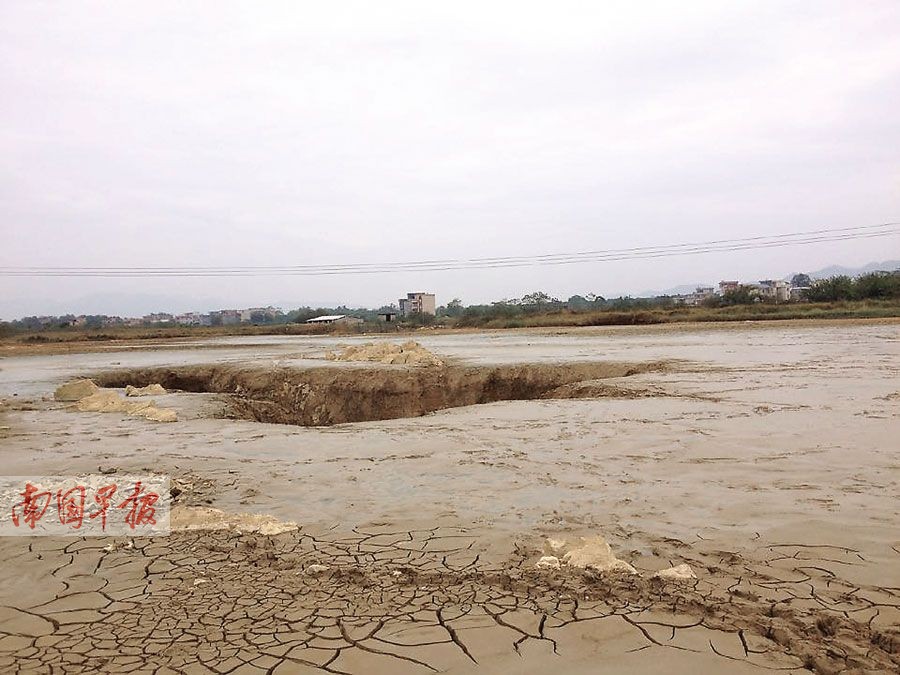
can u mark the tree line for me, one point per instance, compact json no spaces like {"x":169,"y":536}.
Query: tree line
{"x":875,"y":286}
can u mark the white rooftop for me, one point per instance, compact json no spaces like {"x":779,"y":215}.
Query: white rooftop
{"x":327,"y":317}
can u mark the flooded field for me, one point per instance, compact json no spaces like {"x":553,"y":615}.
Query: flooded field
{"x":440,"y":509}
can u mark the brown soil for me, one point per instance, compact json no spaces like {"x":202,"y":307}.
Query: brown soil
{"x":325,"y":396}
{"x":421,"y":601}
{"x":761,"y":459}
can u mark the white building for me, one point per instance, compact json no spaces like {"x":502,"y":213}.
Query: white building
{"x":344,"y":319}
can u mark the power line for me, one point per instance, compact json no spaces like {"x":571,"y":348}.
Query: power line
{"x":491,"y":260}
{"x":635,"y":253}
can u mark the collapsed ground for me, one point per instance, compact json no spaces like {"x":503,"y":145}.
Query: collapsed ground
{"x":332,"y":395}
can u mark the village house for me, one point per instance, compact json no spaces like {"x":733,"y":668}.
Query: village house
{"x":777,"y":290}
{"x":158,"y":318}
{"x":225,"y":317}
{"x":695,"y":299}
{"x":387,"y":316}
{"x":798,"y":293}
{"x":192,"y":319}
{"x":417,"y":303}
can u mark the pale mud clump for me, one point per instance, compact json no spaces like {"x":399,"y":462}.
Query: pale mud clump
{"x":409,"y":353}
{"x":107,"y":400}
{"x":154,"y":414}
{"x":594,"y":554}
{"x":150,"y":390}
{"x":88,"y":397}
{"x":682,"y":572}
{"x":205,"y":518}
{"x":75,"y":391}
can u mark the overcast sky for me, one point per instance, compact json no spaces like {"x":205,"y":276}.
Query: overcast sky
{"x":221,"y":133}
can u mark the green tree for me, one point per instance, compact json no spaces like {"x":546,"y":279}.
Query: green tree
{"x":538,"y":298}
{"x":578,"y":302}
{"x":454,"y":307}
{"x":831,"y":290}
{"x":877,"y":286}
{"x":739,"y":296}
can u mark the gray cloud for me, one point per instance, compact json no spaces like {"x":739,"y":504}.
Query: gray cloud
{"x":238,"y":133}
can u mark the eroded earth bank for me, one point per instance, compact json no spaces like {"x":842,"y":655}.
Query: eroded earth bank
{"x":449,"y":510}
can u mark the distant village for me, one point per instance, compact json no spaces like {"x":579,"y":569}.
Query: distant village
{"x":421,"y":307}
{"x":413,"y":304}
{"x":774,"y":290}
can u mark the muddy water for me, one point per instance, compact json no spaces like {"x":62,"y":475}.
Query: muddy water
{"x":763,"y":453}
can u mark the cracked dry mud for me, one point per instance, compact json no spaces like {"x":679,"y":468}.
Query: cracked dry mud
{"x":763,"y":458}
{"x":423,"y":601}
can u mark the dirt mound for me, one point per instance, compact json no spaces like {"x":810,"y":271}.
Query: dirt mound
{"x":154,"y":389}
{"x":325,"y":396}
{"x":409,"y":353}
{"x":107,"y":400}
{"x":88,"y":397}
{"x":75,"y":391}
{"x":204,"y":518}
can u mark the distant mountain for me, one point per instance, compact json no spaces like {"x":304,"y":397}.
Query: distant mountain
{"x":684,"y":289}
{"x":837,"y":270}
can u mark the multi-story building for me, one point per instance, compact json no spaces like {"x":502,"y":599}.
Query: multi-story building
{"x":774,"y":289}
{"x":417,"y":303}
